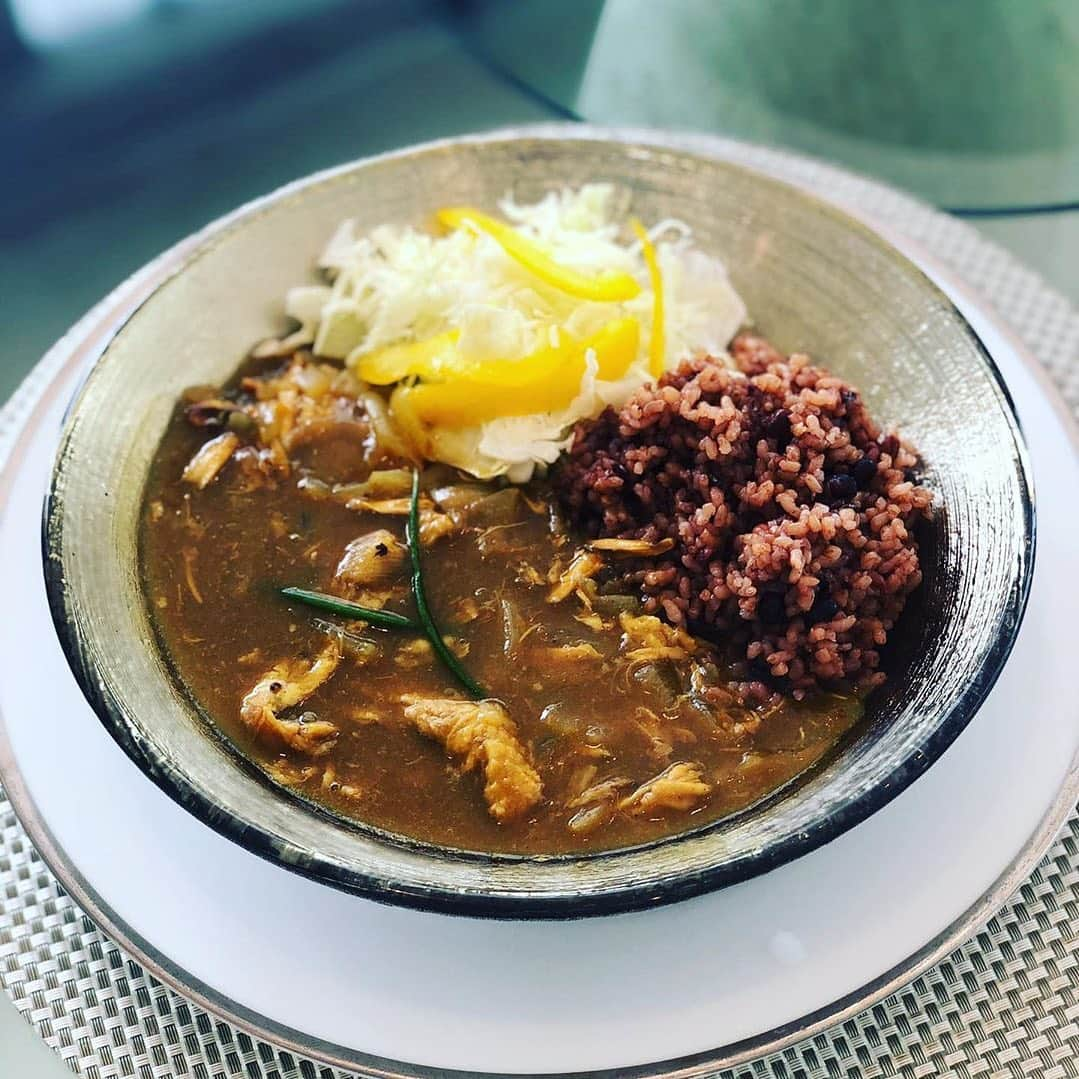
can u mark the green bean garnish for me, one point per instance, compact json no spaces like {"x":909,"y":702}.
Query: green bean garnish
{"x":351,"y":610}
{"x":430,"y":627}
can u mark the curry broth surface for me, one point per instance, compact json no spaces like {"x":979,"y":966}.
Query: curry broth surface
{"x":213,"y":561}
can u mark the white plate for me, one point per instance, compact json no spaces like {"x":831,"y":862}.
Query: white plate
{"x":716,"y":980}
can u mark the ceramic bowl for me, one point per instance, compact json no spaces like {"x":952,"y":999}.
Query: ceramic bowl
{"x":813,"y":279}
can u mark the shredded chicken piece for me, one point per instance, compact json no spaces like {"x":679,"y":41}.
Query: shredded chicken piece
{"x":415,"y":653}
{"x":584,"y":566}
{"x":190,"y":556}
{"x":419,"y":653}
{"x":302,"y":376}
{"x":192,"y":525}
{"x":647,"y":631}
{"x":391,"y":507}
{"x":433,"y":524}
{"x":332,"y":784}
{"x":601,"y":753}
{"x":273,"y":347}
{"x":465,"y":609}
{"x":528,"y":574}
{"x":581,"y":779}
{"x":306,"y":403}
{"x":284,"y":686}
{"x":679,"y":787}
{"x":257,"y":469}
{"x":370,"y":559}
{"x":652,"y":727}
{"x":645,"y":639}
{"x":289,"y":774}
{"x":211,"y":457}
{"x":738,"y":725}
{"x":589,"y":818}
{"x":212,"y":412}
{"x":593,"y":621}
{"x":571,"y":653}
{"x":751,"y":762}
{"x":536,"y":505}
{"x":279,"y":527}
{"x":632,"y":547}
{"x":600,"y":792}
{"x":360,"y":650}
{"x":377,"y":598}
{"x":484,"y":736}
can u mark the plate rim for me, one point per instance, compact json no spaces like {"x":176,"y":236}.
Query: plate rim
{"x":558,"y":901}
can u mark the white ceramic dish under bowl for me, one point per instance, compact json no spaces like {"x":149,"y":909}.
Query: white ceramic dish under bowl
{"x":393,"y":992}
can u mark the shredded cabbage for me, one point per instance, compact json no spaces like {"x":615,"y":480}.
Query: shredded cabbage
{"x":398,"y":284}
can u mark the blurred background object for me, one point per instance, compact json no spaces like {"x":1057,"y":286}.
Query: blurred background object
{"x":971,"y":103}
{"x":130,"y":123}
{"x":134,"y":122}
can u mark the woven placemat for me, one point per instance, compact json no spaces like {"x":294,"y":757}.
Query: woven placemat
{"x":1005,"y":1004}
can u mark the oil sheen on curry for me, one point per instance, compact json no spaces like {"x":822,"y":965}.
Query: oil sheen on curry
{"x":657,"y":622}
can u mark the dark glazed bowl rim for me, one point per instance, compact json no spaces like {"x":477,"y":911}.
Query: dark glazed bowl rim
{"x":565,"y":904}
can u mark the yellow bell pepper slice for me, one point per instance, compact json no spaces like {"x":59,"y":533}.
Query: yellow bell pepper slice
{"x":615,"y":346}
{"x":546,"y":381}
{"x":465,"y":404}
{"x":657,"y":345}
{"x":435,"y":360}
{"x":611,"y":286}
{"x":394,"y":362}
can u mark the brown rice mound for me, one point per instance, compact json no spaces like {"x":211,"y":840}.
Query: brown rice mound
{"x":792,"y":515}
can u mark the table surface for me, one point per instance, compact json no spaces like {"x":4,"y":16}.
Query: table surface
{"x":56,"y":260}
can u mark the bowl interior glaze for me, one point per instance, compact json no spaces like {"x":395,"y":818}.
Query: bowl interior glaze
{"x":813,"y":279}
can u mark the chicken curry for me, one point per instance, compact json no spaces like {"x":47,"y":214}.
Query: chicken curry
{"x":595,"y":725}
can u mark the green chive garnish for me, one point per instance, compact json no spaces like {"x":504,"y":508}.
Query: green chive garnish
{"x":430,"y":628}
{"x":345,"y":609}
{"x":426,"y":624}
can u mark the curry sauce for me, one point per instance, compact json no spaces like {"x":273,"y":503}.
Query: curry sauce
{"x":602,"y":726}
